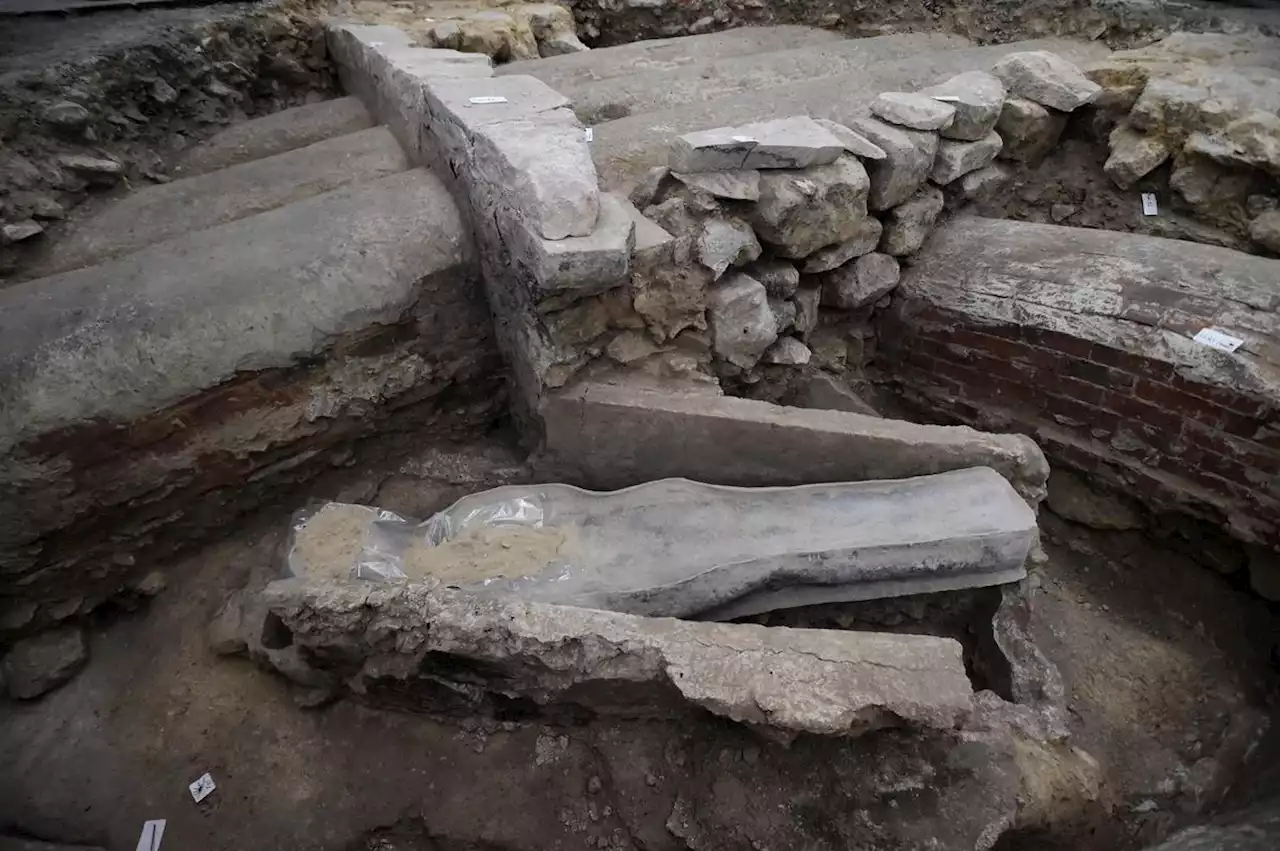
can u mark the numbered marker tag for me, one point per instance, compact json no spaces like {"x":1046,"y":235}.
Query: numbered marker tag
{"x":152,"y":833}
{"x":590,"y":134}
{"x":488,"y":99}
{"x":1215,"y":339}
{"x":1149,"y":207}
{"x":202,"y":787}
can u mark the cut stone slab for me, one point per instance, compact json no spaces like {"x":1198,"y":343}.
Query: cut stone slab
{"x":854,"y":143}
{"x":19,"y":231}
{"x":862,"y":282}
{"x":584,"y":264}
{"x":742,"y":325}
{"x":792,"y":681}
{"x":743,"y":185}
{"x":909,"y":157}
{"x":276,"y":133}
{"x":618,"y":435}
{"x":780,"y":278}
{"x":908,"y":225}
{"x":800,"y":212}
{"x":542,"y":167}
{"x":912,"y":110}
{"x":168,"y":210}
{"x":1047,"y":79}
{"x":956,"y":159}
{"x":1134,"y":155}
{"x":129,"y":337}
{"x":726,"y":242}
{"x":795,"y":142}
{"x":863,"y":242}
{"x":34,"y":666}
{"x":1029,"y":130}
{"x":977,"y":98}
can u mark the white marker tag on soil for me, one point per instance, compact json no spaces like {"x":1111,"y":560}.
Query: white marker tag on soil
{"x":202,"y":787}
{"x":1149,"y":207}
{"x":1215,"y":339}
{"x":488,"y":99}
{"x":590,"y":134}
{"x":152,"y":833}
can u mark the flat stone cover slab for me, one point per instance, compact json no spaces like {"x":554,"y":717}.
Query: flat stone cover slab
{"x":679,"y":548}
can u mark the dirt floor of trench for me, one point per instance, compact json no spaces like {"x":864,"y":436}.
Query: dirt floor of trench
{"x":1166,"y":667}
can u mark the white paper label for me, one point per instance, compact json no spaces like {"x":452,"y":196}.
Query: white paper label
{"x":152,"y":833}
{"x":202,"y":787}
{"x":1149,"y":207}
{"x":488,"y":99}
{"x":1215,"y":339}
{"x":591,"y":134}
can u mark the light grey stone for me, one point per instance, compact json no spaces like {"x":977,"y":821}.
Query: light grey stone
{"x":911,"y":110}
{"x":861,"y":282}
{"x":721,"y":149}
{"x":93,"y":169}
{"x":784,"y":314}
{"x":788,"y":351}
{"x":726,"y":242}
{"x":977,"y":98}
{"x":19,"y":231}
{"x":780,"y":278}
{"x":795,"y":142}
{"x":740,"y":185}
{"x":1062,"y":212}
{"x":792,"y":681}
{"x":583,"y":264}
{"x":865,"y":240}
{"x":956,"y":159}
{"x":1253,"y":140}
{"x":543,"y":169}
{"x":553,"y":27}
{"x":37,"y":665}
{"x":908,"y":158}
{"x":66,"y":115}
{"x":985,"y":183}
{"x":826,"y":392}
{"x":648,"y":187}
{"x":1029,"y":130}
{"x":908,"y":225}
{"x":854,"y":143}
{"x":227,"y":631}
{"x":800,"y":212}
{"x":630,"y":346}
{"x":1133,"y":156}
{"x":1265,"y":230}
{"x":560,"y":44}
{"x":742,"y":325}
{"x":1047,"y":79}
{"x":1071,"y":498}
{"x":807,"y":301}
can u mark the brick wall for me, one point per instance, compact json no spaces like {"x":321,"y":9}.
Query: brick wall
{"x":1129,"y":420}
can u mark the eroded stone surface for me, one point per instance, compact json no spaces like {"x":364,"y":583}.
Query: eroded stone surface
{"x":977,"y":98}
{"x":561,"y":657}
{"x":956,"y":159}
{"x":1028,"y":129}
{"x":908,"y":157}
{"x":788,"y":351}
{"x":914,"y":110}
{"x":779,"y":277}
{"x":1047,"y":79}
{"x":742,"y":325}
{"x":40,"y":664}
{"x":865,"y":240}
{"x":861,"y":282}
{"x":908,"y":224}
{"x":741,"y":185}
{"x":725,"y":242}
{"x":1133,"y":155}
{"x":800,"y":212}
{"x":854,"y":143}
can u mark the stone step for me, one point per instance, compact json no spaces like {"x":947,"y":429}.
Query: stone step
{"x":703,"y":80}
{"x":624,"y":149}
{"x":274,"y":134}
{"x":169,"y":210}
{"x":663,"y":54}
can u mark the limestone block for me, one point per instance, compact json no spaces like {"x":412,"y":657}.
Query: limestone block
{"x":742,"y":325}
{"x":784,"y":314}
{"x":725,"y":242}
{"x":1265,"y":230}
{"x":807,"y":301}
{"x":865,"y":240}
{"x":912,"y":110}
{"x":553,"y":27}
{"x":739,"y":185}
{"x":584,"y":264}
{"x":788,"y":351}
{"x":854,"y":143}
{"x":800,"y":212}
{"x":780,"y":278}
{"x":543,"y":169}
{"x":1047,"y":79}
{"x":983,"y":184}
{"x":908,"y":225}
{"x":1028,"y":129}
{"x":908,"y":158}
{"x":862,"y":282}
{"x":956,"y":159}
{"x":490,"y":32}
{"x":977,"y":98}
{"x":1133,"y":155}
{"x":796,"y":142}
